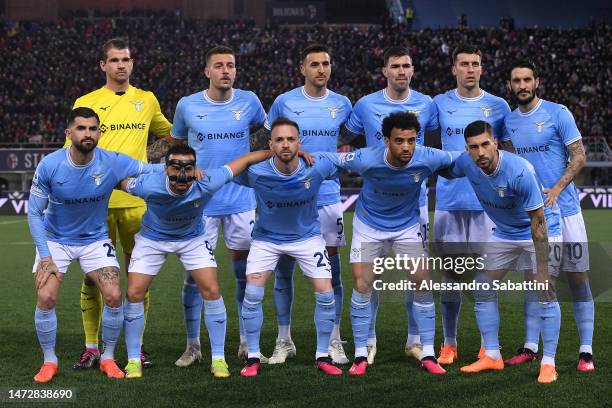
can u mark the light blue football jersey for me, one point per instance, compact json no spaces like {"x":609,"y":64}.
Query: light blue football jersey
{"x":219,"y":133}
{"x":287,"y":204}
{"x":171,"y":216}
{"x":370,"y":110}
{"x":541,"y":137}
{"x":78,"y":194}
{"x":319,"y":120}
{"x":389,"y":199}
{"x":454,"y":113}
{"x":508,"y":194}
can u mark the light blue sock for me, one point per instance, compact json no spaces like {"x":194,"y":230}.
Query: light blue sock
{"x":337,"y":285}
{"x":373,"y":314}
{"x":112,"y":322}
{"x":584,"y":314}
{"x":240,"y":274}
{"x":531,"y":310}
{"x":550,"y":318}
{"x":360,"y":320}
{"x":46,"y":330}
{"x":413,"y":327}
{"x":424,"y":311}
{"x":325,"y":311}
{"x":252,"y":317}
{"x":134,"y":325}
{"x":215,"y":317}
{"x":487,"y":315}
{"x":283,"y":290}
{"x":450,"y":300}
{"x":192,"y":307}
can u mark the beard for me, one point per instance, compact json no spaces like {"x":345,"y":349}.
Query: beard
{"x":83,"y":149}
{"x":527,"y":100}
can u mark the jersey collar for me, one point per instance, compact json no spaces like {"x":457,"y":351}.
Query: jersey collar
{"x":532,"y":111}
{"x":476,"y":98}
{"x":314,"y":98}
{"x":207,"y":99}
{"x":280,"y":173}
{"x":79,"y":166}
{"x":398,"y":102}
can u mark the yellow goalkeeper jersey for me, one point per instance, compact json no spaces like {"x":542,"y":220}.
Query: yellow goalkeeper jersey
{"x":125,"y":123}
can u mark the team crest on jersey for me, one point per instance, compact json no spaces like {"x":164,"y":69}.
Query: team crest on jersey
{"x":237,"y":113}
{"x":333,"y":111}
{"x":307,"y":182}
{"x":540,"y":126}
{"x":501,"y":191}
{"x":137,"y":105}
{"x":415,"y":112}
{"x":97,"y":178}
{"x":486,"y":111}
{"x":196,"y":204}
{"x":416,"y":176}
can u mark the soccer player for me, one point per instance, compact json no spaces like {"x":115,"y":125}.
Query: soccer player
{"x":67,"y":209}
{"x":127,"y":116}
{"x":366,"y":119}
{"x":287,"y":224}
{"x":545,"y":133}
{"x":387,"y":215}
{"x":459,"y":218}
{"x":216,"y":122}
{"x":320,"y":114}
{"x":508,"y":188}
{"x":173,"y":224}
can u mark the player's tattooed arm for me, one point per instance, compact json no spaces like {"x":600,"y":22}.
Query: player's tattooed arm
{"x":259,"y":139}
{"x":539,"y":234}
{"x":347,"y":137}
{"x":508,"y":146}
{"x":576,"y":163}
{"x":159,"y":148}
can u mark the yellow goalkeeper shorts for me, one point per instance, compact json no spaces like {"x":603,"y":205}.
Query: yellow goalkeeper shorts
{"x":127,"y":222}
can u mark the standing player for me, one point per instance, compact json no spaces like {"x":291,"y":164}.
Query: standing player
{"x":287,"y":224}
{"x":68,"y":206}
{"x":366,"y":119}
{"x":127,"y":115}
{"x":216,"y":122}
{"x":459,"y":218}
{"x":512,"y":196}
{"x":320,"y":114}
{"x":545,"y":133}
{"x":387,"y":215}
{"x":173,"y":224}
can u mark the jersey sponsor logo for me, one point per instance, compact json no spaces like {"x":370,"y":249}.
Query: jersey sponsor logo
{"x":498,"y":206}
{"x":450,"y":112}
{"x":298,"y":112}
{"x":513,"y":130}
{"x":84,"y":200}
{"x":319,"y":132}
{"x":122,"y":126}
{"x":486,"y":111}
{"x":290,"y":204}
{"x":223,"y":135}
{"x":137,"y":105}
{"x":532,"y":149}
{"x":201,"y":116}
{"x":392,"y":193}
{"x":104,"y":108}
{"x":378,"y":135}
{"x":379,"y":115}
{"x":333,"y":111}
{"x":501,"y":191}
{"x":540,"y":126}
{"x":97,"y":178}
{"x":237,"y":113}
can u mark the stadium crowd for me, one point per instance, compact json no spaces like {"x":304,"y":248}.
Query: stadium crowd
{"x":47,"y":65}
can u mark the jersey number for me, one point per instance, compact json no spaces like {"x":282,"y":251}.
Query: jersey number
{"x":111,"y":250}
{"x":340,"y":225}
{"x":574,"y":251}
{"x":321,"y":256}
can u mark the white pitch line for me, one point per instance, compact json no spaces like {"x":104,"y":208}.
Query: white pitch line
{"x":11,"y":222}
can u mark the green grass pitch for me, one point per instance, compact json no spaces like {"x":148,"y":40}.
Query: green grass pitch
{"x":393,"y":380}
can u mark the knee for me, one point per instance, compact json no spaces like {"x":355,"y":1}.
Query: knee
{"x":112,"y":297}
{"x":210,"y":292}
{"x":46,"y":299}
{"x":134,"y":295}
{"x":362,"y":285}
{"x":253,"y":294}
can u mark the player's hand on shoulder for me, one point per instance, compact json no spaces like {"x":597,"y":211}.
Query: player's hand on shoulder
{"x":45,"y":269}
{"x":307,"y":157}
{"x":199,"y":173}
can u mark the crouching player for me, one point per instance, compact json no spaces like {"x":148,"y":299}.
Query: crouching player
{"x":68,"y":207}
{"x":387,"y":215}
{"x":507,"y":187}
{"x":173,"y":224}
